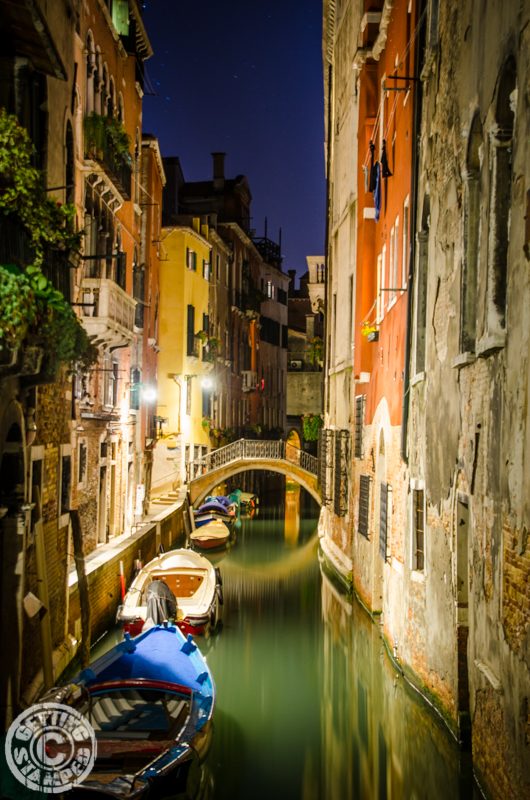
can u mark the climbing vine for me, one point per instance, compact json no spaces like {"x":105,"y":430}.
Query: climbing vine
{"x":311,"y":425}
{"x":32,"y":311}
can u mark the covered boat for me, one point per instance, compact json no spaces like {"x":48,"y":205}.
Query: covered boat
{"x":150,"y":701}
{"x":213,"y":534}
{"x":180,"y":585}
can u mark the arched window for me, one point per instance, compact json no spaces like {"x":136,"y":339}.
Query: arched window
{"x":104,"y":89}
{"x":69,"y":164}
{"x":90,"y":72}
{"x":501,"y":140}
{"x":121,"y":113}
{"x":468,"y":283}
{"x":98,"y":82}
{"x":111,"y":99}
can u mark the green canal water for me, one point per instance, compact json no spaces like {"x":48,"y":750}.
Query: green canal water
{"x":309,"y":706}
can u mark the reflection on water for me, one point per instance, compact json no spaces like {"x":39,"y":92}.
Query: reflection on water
{"x":309,"y":706}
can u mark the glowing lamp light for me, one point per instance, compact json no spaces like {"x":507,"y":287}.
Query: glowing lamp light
{"x":149,"y":394}
{"x":207,"y":383}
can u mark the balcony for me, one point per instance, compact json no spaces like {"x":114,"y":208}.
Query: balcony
{"x":108,"y":312}
{"x":105,"y":147}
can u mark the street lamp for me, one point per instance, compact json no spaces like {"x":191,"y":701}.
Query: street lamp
{"x":148,"y":393}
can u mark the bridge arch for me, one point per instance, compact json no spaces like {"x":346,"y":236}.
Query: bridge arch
{"x":246,"y":455}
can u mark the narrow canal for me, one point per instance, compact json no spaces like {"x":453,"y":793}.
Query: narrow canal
{"x":309,"y":706}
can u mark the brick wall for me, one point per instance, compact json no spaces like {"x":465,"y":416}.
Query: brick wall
{"x":104,"y":582}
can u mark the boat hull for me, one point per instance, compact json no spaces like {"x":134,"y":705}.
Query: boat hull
{"x":195,"y":584}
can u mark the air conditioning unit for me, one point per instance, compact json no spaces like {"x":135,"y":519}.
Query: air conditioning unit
{"x":250,"y":380}
{"x":295,"y":364}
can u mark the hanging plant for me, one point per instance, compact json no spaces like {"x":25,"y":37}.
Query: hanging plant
{"x":315,"y":350}
{"x":104,"y":133}
{"x":49,"y":224}
{"x":311,"y":425}
{"x":34,"y":313}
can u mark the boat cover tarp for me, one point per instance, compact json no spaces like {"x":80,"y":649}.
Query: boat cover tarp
{"x":161,"y":602}
{"x":154,"y":655}
{"x":213,"y":505}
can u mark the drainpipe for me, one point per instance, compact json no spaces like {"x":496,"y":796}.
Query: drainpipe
{"x":412,"y":251}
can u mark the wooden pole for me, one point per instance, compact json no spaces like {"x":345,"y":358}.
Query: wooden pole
{"x":42,"y":583}
{"x":82,"y":583}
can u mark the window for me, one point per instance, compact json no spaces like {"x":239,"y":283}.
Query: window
{"x":325,"y":446}
{"x":418,"y":529}
{"x":500,"y":201}
{"x":405,"y":244}
{"x":359,"y":423}
{"x":468,"y":279}
{"x":364,"y":505}
{"x":188,"y":394}
{"x":206,"y":402}
{"x":65,"y":481}
{"x":206,"y":269}
{"x":217,"y":267}
{"x":379,"y":302}
{"x":191,"y":259}
{"x":340,"y":494}
{"x":190,"y":331}
{"x":206,"y":323}
{"x":394,"y":276}
{"x":134,"y":401}
{"x":110,"y":382}
{"x":385,"y":495}
{"x":82,"y":463}
{"x":270,"y":290}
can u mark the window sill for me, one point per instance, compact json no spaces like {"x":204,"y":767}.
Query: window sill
{"x":490,"y":343}
{"x":464,"y":359}
{"x":418,"y":378}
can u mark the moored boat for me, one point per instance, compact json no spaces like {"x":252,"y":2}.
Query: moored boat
{"x":213,"y":534}
{"x":180,"y":584}
{"x":150,"y":702}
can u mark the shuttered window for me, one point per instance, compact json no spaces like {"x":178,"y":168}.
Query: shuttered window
{"x":359,"y":422}
{"x":364,"y":505}
{"x":385,"y":497}
{"x":418,"y":512}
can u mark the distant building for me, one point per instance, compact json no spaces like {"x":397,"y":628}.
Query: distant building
{"x":305,"y":353}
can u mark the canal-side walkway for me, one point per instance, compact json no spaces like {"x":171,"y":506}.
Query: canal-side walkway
{"x":166,"y":524}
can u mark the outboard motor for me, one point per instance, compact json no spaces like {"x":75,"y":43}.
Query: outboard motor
{"x":161,"y":602}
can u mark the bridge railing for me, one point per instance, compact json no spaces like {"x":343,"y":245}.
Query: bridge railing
{"x":252,"y":450}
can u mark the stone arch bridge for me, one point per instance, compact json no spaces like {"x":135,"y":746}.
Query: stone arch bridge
{"x":248,"y":454}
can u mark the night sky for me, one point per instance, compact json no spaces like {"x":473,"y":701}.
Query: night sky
{"x":245,"y":78}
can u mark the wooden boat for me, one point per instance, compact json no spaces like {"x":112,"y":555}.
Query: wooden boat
{"x":180,"y":585}
{"x":150,"y":701}
{"x":219,"y":504}
{"x":213,"y":534}
{"x":202,"y":517}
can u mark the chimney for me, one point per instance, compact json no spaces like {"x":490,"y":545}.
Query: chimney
{"x":218,"y":170}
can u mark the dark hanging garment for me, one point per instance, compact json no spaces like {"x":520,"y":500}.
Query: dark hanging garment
{"x":377,"y":191}
{"x":371,"y":184}
{"x":385,"y":171}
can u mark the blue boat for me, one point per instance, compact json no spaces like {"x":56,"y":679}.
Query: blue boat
{"x":150,"y":701}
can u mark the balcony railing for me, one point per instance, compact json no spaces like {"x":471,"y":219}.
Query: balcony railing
{"x":108,"y":311}
{"x":100,"y":147}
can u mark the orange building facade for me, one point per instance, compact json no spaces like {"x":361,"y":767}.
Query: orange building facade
{"x":384,"y":181}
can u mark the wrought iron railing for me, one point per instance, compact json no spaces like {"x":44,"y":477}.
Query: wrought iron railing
{"x":253,"y":450}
